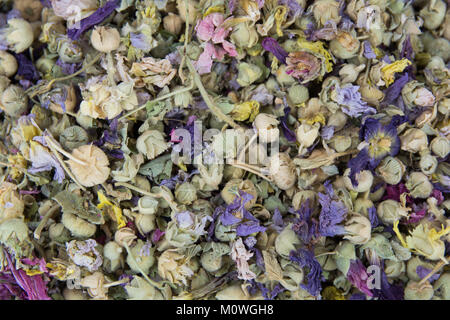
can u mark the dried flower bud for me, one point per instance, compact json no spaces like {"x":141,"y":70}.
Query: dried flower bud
{"x":326,"y":10}
{"x":266,"y":126}
{"x":244,"y":35}
{"x":391,"y":170}
{"x":145,"y":223}
{"x":418,"y":185}
{"x":125,"y":236}
{"x":442,"y":286}
{"x":411,"y":267}
{"x":73,"y":137}
{"x":14,"y":101}
{"x":192,"y":10}
{"x":78,"y":227}
{"x":18,"y":35}
{"x":345,"y":45}
{"x":230,"y":191}
{"x":414,"y":94}
{"x":433,"y":14}
{"x":414,"y":140}
{"x":340,"y":143}
{"x":428,"y":164}
{"x":364,"y":181}
{"x":390,"y":211}
{"x":143,"y":257}
{"x":358,"y":229}
{"x":394,"y":269}
{"x":151,"y":143}
{"x":362,"y":206}
{"x":349,"y":72}
{"x":8,"y":64}
{"x":147,"y":205}
{"x":307,"y":134}
{"x":440,"y":146}
{"x":248,"y":73}
{"x":298,"y":94}
{"x":113,"y":256}
{"x":416,"y":291}
{"x":173,"y":23}
{"x":105,"y":39}
{"x":337,"y":120}
{"x":283,"y":171}
{"x":70,"y":51}
{"x":345,"y":253}
{"x":96,"y":169}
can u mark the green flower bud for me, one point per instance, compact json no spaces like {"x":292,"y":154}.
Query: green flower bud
{"x":145,"y":222}
{"x":8,"y":64}
{"x":70,"y":52}
{"x":19,"y":35}
{"x":363,"y":178}
{"x":433,"y":14}
{"x":440,"y":146}
{"x":248,"y":73}
{"x":79,"y":228}
{"x":113,"y":256}
{"x":345,"y":45}
{"x":105,"y":39}
{"x":389,"y":211}
{"x":298,"y":94}
{"x":144,"y":261}
{"x":418,"y":185}
{"x":414,"y":291}
{"x":442,"y":286}
{"x":337,"y":120}
{"x":185,"y":193}
{"x":230,"y":191}
{"x":224,"y":233}
{"x":428,"y":164}
{"x":394,"y":269}
{"x":283,"y":78}
{"x":14,"y":101}
{"x":362,"y":206}
{"x":391,"y":170}
{"x":244,"y":35}
{"x":411,"y":267}
{"x":340,"y":143}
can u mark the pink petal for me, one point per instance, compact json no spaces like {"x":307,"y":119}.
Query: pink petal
{"x":204,"y":62}
{"x":216,"y":18}
{"x":229,"y":48}
{"x":219,"y":35}
{"x":205,"y":29}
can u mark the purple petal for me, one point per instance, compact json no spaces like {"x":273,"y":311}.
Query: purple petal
{"x":271,"y":45}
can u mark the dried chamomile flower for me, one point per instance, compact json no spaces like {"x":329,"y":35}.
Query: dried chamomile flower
{"x":90,"y":166}
{"x":140,"y":289}
{"x":151,"y":143}
{"x":283,"y":171}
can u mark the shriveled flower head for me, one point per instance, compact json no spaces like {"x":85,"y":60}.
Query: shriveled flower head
{"x":358,"y":276}
{"x":303,"y":65}
{"x":85,"y":254}
{"x":240,"y":255}
{"x":174,"y":266}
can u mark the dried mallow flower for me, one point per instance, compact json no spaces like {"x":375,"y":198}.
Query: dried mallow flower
{"x":90,"y":165}
{"x":358,"y":229}
{"x":151,"y":143}
{"x":105,"y":39}
{"x":389,"y":211}
{"x":364,"y":181}
{"x":419,"y":185}
{"x":175,"y":266}
{"x":173,"y":23}
{"x":414,"y":140}
{"x":391,"y":170}
{"x":440,"y":146}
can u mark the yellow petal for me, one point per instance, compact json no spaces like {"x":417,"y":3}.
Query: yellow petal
{"x":388,"y":71}
{"x":399,"y":235}
{"x":318,"y":47}
{"x":102,"y":200}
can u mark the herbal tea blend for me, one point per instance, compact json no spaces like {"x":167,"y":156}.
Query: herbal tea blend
{"x":224,"y":149}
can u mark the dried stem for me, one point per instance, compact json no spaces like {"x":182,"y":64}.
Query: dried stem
{"x":173,"y":93}
{"x":214,"y":109}
{"x":61,"y":150}
{"x":435,"y":269}
{"x":251,"y":169}
{"x":43,"y":222}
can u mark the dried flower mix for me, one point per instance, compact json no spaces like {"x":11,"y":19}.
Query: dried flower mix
{"x":251,"y":149}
